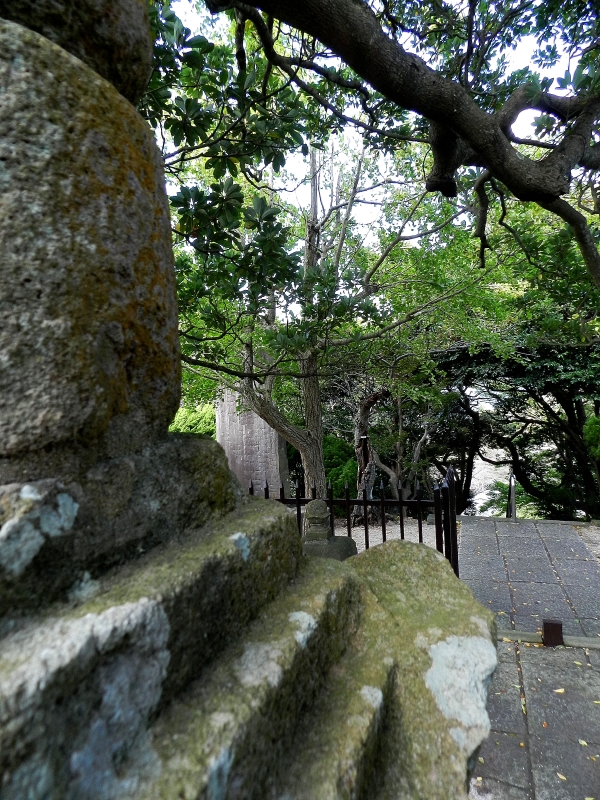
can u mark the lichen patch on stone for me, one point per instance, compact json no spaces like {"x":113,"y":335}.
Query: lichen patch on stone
{"x":260,"y":664}
{"x":242,"y":543}
{"x":306,"y":625}
{"x":372,"y":695}
{"x":460,"y":671}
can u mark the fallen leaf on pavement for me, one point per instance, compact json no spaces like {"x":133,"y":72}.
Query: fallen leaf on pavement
{"x":559,"y":691}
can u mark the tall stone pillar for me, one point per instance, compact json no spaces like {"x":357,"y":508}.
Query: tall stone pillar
{"x":254,"y":450}
{"x":89,"y":350}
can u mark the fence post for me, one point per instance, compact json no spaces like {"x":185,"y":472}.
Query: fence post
{"x":298,"y":509}
{"x":313,"y":492}
{"x":437,"y":511}
{"x":419,"y":511}
{"x":446,"y":519}
{"x":347,"y":491}
{"x":366,"y":518}
{"x":383,"y":531}
{"x":266,"y":490}
{"x":330,"y":498}
{"x":401,"y":509}
{"x":281,"y":491}
{"x":251,"y":488}
{"x":511,"y":506}
{"x":453,"y":529}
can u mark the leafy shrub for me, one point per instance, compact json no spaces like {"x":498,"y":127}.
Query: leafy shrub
{"x":201,"y":419}
{"x":498,"y":500}
{"x":591,"y":435}
{"x":339,"y":475}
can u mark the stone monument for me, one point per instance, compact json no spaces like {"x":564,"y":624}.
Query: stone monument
{"x":161,"y":634}
{"x":318,"y":539}
{"x":89,"y":366}
{"x":254,"y":450}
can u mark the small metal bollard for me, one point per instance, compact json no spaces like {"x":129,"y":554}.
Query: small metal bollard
{"x":552,"y":632}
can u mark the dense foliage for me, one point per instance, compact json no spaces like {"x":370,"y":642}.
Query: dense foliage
{"x":469,"y":315}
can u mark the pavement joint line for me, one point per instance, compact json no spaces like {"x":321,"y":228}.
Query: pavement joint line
{"x":536,"y":638}
{"x":507,"y":573}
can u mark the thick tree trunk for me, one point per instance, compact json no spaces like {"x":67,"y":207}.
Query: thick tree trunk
{"x":312,"y":454}
{"x":362,"y":444}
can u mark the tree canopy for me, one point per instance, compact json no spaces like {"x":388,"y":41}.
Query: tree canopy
{"x":479,"y":255}
{"x":447,"y":64}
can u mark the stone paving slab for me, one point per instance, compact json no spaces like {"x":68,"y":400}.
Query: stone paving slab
{"x":504,"y":699}
{"x":586,"y":599}
{"x":530,"y":570}
{"x":557,"y":693}
{"x":503,"y":757}
{"x":591,"y":627}
{"x":495,"y":597}
{"x":544,"y":744}
{"x":505,"y":528}
{"x":552,"y":759}
{"x":578,"y":573}
{"x":540,"y":600}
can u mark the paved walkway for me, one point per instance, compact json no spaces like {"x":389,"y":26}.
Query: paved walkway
{"x":544,"y":703}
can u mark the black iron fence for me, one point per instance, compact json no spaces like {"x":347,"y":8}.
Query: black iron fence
{"x":443,"y":505}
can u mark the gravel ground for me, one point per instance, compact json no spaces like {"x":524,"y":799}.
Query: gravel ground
{"x":411,"y":532}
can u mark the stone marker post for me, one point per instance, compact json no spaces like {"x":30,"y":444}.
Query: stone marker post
{"x":89,"y":349}
{"x":318,"y":539}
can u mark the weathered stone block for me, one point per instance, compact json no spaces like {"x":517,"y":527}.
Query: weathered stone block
{"x":113,"y":38}
{"x":445,"y":650}
{"x":88,"y":314}
{"x":52,"y":532}
{"x":318,"y":539}
{"x":78,"y":686}
{"x":337,"y":547}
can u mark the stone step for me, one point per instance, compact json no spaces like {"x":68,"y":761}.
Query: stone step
{"x":341,"y":743}
{"x":228,"y":730}
{"x":127,"y":643}
{"x":408,"y":695}
{"x":444,"y":645}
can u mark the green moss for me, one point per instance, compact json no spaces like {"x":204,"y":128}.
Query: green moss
{"x":167,"y":569}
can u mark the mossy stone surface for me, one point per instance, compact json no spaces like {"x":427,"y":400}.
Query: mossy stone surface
{"x":159,"y":620}
{"x":445,"y":652}
{"x":119,"y":508}
{"x":228,"y":731}
{"x":88,"y":312}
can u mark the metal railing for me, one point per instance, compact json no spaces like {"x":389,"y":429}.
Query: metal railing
{"x":511,"y":505}
{"x":443,"y":504}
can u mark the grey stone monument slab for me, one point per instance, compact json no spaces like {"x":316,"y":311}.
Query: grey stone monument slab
{"x":254,"y":450}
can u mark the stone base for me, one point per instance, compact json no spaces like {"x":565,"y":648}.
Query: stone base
{"x":52,"y":533}
{"x":337,"y":547}
{"x":213,"y":667}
